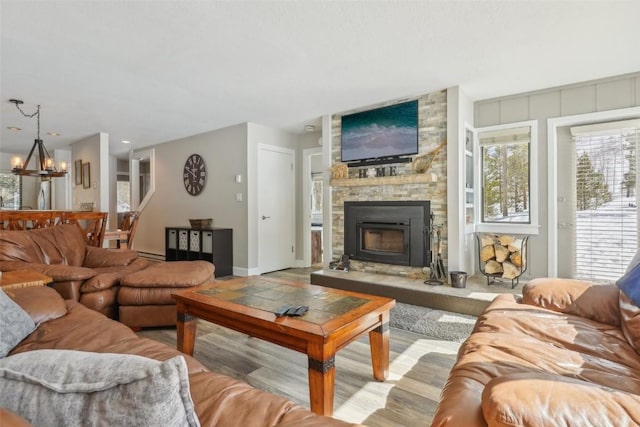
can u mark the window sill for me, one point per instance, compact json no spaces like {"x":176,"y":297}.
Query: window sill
{"x":530,"y":229}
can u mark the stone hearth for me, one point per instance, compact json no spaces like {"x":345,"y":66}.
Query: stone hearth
{"x":470,"y":300}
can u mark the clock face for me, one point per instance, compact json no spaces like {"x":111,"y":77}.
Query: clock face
{"x":194,"y":175}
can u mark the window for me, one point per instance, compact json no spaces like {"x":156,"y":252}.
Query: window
{"x":508,"y":196}
{"x":123,"y":194}
{"x":605,"y":203}
{"x":10,"y":191}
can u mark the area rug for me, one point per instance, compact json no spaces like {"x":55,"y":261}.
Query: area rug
{"x":438,"y":324}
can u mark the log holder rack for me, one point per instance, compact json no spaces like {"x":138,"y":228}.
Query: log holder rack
{"x":497,"y":277}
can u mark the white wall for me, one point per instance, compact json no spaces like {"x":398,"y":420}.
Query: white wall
{"x":580,"y":98}
{"x":459,"y":115}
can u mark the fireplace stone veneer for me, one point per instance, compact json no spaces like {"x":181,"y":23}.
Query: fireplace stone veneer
{"x":388,"y":232}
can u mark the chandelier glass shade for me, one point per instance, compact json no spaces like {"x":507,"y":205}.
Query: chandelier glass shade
{"x":47,"y":165}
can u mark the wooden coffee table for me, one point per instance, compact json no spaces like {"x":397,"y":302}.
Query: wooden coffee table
{"x":335,"y":319}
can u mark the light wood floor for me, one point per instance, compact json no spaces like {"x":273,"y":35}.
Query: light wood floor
{"x":419,"y":366}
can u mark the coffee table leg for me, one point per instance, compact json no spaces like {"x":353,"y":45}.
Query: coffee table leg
{"x":186,"y":330}
{"x":322,"y":376}
{"x":379,"y":341}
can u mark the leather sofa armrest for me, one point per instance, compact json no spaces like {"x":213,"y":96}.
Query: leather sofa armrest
{"x":540,"y":399}
{"x":101,"y":257}
{"x":100,"y":282}
{"x":58,"y":272}
{"x":593,"y":301}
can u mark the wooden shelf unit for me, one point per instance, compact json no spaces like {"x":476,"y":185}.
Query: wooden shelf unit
{"x":208,"y":244}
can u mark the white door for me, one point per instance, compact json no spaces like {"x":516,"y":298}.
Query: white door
{"x":275,"y":208}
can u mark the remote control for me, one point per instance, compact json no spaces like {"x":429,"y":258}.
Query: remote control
{"x":283,"y":310}
{"x":301,"y":310}
{"x":291,"y":311}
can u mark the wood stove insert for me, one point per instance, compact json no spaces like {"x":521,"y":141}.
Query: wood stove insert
{"x":394,"y":232}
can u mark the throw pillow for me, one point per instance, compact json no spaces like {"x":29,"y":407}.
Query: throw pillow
{"x":68,"y":387}
{"x":629,"y":284}
{"x":15,"y":324}
{"x":629,"y":304}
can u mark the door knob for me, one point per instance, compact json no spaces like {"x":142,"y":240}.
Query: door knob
{"x":265,"y":217}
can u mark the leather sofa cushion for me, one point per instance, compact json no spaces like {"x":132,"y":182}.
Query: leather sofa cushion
{"x":84,"y":329}
{"x":630,"y":315}
{"x":11,"y":419}
{"x":41,"y":303}
{"x":178,"y":274}
{"x":108,"y":277}
{"x":62,"y":244}
{"x":146,"y":296}
{"x":538,"y":399}
{"x":577,"y":297}
{"x":100,"y":257}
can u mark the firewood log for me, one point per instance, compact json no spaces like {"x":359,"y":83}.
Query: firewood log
{"x":516,"y":259}
{"x":516,"y":245}
{"x":506,"y":240}
{"x":501,"y":252}
{"x":487,"y":240}
{"x":487,"y":253}
{"x":492,"y":267}
{"x":510,"y":270}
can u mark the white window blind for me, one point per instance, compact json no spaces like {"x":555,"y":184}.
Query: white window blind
{"x":606,"y":235}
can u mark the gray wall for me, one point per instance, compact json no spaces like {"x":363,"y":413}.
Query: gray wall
{"x":225,"y":154}
{"x":588,"y":97}
{"x":89,"y":151}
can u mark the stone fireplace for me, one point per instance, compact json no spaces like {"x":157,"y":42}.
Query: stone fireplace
{"x":405,"y":186}
{"x":389,"y":232}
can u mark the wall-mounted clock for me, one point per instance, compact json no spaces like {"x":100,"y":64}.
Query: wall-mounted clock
{"x":195,"y":174}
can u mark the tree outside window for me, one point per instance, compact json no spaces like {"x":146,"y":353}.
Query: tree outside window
{"x":506,"y":176}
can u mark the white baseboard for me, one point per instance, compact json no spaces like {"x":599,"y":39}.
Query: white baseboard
{"x":244,"y":272}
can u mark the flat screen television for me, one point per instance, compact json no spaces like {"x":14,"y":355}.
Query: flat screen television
{"x":386,"y":132}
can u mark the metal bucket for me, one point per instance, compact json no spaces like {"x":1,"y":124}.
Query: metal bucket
{"x":458,"y":279}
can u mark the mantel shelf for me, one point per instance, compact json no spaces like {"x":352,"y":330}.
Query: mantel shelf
{"x":386,"y":180}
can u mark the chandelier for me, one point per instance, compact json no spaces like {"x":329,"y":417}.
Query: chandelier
{"x":47,"y":166}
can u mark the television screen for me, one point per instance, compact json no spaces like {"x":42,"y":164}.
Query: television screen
{"x":384,"y":132}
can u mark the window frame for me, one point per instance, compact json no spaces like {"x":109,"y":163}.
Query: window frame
{"x":533,"y":227}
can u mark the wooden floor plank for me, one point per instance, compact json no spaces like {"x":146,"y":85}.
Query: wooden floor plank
{"x":418,"y":369}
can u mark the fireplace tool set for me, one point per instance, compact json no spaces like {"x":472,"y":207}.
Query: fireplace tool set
{"x":437,"y":274}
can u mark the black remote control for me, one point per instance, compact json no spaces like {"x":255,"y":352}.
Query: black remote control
{"x":283,"y":310}
{"x":301,"y":310}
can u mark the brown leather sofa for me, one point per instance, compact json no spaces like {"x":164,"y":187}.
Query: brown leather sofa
{"x":80,"y":272}
{"x":557,"y":356}
{"x":218,"y":399}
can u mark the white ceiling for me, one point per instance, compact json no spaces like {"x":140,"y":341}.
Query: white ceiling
{"x":151,"y":72}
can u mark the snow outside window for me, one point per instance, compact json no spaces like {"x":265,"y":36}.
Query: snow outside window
{"x":606,"y":232}
{"x":508,"y":177}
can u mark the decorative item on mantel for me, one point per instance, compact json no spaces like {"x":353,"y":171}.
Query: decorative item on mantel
{"x":423,"y":162}
{"x":201,"y":223}
{"x":339,"y":171}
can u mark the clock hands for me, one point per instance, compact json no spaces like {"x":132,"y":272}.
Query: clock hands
{"x":192,"y":173}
